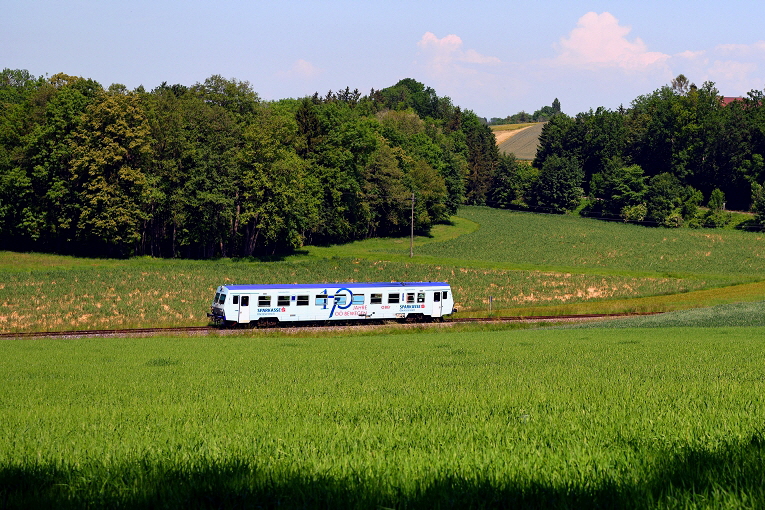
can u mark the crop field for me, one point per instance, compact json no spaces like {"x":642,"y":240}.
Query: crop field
{"x":553,"y":418}
{"x":654,"y":412}
{"x":523,"y":143}
{"x":526,"y":264}
{"x":148,"y":293}
{"x":523,"y":240}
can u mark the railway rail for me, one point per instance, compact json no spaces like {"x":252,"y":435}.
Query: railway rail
{"x":210,"y":329}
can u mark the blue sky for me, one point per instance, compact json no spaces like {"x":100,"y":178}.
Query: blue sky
{"x":495,"y":58}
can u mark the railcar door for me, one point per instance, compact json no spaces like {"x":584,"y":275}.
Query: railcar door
{"x":244,"y":309}
{"x":437,"y":306}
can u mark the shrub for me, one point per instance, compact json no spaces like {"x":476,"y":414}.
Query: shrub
{"x":716,"y":219}
{"x":634,"y":212}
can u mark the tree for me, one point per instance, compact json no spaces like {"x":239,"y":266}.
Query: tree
{"x":385,"y":192}
{"x":482,"y":156}
{"x":618,"y":186}
{"x":559,"y":187}
{"x":513,"y":183}
{"x":716,"y":216}
{"x":110,"y":151}
{"x":662,"y":199}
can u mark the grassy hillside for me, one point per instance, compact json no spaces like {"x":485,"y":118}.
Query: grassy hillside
{"x":528,"y":264}
{"x":656,"y":412}
{"x":523,"y":240}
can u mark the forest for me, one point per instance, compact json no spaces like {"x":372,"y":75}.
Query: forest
{"x":211,"y":170}
{"x":672,"y":151}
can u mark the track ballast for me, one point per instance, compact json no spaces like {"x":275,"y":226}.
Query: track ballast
{"x":212,"y":329}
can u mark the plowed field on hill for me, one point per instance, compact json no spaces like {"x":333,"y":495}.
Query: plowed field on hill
{"x":523,"y":142}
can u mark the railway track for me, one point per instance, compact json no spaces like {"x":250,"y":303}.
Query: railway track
{"x":210,"y":329}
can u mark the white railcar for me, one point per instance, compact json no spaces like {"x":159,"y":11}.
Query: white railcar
{"x":270,"y":304}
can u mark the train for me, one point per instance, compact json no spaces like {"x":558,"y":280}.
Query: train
{"x":268,"y":305}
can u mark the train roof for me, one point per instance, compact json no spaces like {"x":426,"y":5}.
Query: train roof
{"x":333,"y":285}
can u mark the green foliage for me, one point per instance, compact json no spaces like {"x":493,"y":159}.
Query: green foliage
{"x":558,"y":188}
{"x":681,"y":129}
{"x":109,"y":151}
{"x":716,"y":216}
{"x":618,"y":187}
{"x":513,"y":183}
{"x":211,"y":170}
{"x":634,"y":213}
{"x":716,"y":200}
{"x":544,"y":114}
{"x":662,"y":198}
{"x":758,"y":204}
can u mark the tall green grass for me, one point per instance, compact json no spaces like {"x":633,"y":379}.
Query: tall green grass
{"x":521,"y":240}
{"x":637,"y":418}
{"x":727,"y":315}
{"x":515,"y":263}
{"x":147,"y":293}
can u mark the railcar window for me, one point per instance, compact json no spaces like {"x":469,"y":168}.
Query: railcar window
{"x":264,"y":300}
{"x":235,"y":300}
{"x":357,"y":299}
{"x":302,"y":300}
{"x":420,"y":297}
{"x":245,"y":300}
{"x":437,"y":297}
{"x":321,"y":300}
{"x":393,"y":298}
{"x":217,"y":297}
{"x":340,"y":300}
{"x":410,"y":297}
{"x":223,"y":299}
{"x":446,"y":294}
{"x":282,"y":300}
{"x":376,"y":299}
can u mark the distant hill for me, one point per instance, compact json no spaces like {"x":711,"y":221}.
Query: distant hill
{"x":521,"y":142}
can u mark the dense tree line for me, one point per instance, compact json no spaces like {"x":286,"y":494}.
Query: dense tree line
{"x":212,"y":170}
{"x":542,"y":115}
{"x":657,"y":161}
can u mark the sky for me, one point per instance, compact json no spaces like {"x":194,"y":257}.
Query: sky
{"x":494,"y":58}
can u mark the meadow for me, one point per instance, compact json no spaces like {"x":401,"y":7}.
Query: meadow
{"x":451,"y":418}
{"x":651,"y":412}
{"x":147,"y":294}
{"x":522,"y":240}
{"x":526,"y":264}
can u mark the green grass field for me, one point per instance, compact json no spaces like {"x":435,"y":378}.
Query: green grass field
{"x":664,"y":411}
{"x":552,"y":418}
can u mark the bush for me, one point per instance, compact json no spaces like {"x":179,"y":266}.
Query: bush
{"x":717,"y":219}
{"x":674,"y":220}
{"x":634,"y":212}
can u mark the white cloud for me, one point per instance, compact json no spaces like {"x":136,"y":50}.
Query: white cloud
{"x":742,"y":50}
{"x":599,"y":41}
{"x":301,"y":69}
{"x":733,"y":68}
{"x":692,"y":55}
{"x":446,"y":56}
